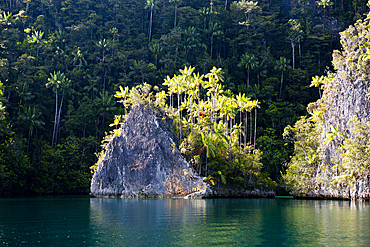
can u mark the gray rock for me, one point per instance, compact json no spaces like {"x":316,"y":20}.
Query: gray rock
{"x":346,"y":97}
{"x":143,"y":160}
{"x":228,"y":191}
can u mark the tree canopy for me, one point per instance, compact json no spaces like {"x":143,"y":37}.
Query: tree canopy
{"x":85,"y":51}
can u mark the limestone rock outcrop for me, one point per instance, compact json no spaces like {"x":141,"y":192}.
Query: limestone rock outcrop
{"x":346,"y":96}
{"x":143,"y":160}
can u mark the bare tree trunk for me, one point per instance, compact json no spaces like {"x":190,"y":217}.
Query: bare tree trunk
{"x":231,"y":123}
{"x":29,"y":137}
{"x":293,"y":55}
{"x":281,"y":82}
{"x":174,"y":25}
{"x":255,"y":127}
{"x":150,"y":24}
{"x":178,"y":109}
{"x":248,"y":80}
{"x":240,"y":134}
{"x":58,"y":119}
{"x":56,"y":113}
{"x":251,"y":128}
{"x":245,"y":128}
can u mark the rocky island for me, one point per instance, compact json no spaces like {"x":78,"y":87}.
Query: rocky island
{"x":143,"y":160}
{"x":331,"y":157}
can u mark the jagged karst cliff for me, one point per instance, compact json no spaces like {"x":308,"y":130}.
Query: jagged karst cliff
{"x":143,"y":161}
{"x":332,"y":146}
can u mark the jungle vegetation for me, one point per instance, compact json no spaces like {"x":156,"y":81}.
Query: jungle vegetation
{"x":347,"y":164}
{"x":62,"y":62}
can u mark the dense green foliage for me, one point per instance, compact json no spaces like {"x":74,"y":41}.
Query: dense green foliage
{"x":209,"y":125}
{"x":310,"y":167}
{"x":62,"y":61}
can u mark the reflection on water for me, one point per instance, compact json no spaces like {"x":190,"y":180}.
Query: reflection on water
{"x":84,"y":221}
{"x":232,"y":222}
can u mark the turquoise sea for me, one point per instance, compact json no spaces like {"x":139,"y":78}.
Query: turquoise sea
{"x":86,"y":221}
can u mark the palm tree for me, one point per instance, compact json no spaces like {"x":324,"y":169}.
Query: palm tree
{"x":91,"y":87}
{"x":66,"y":88}
{"x":247,"y":106}
{"x":177,"y":2}
{"x":255,"y":124}
{"x":210,"y":148}
{"x":155,"y":48}
{"x":55,"y":81}
{"x":204,"y":12}
{"x":60,"y":37}
{"x":114,"y":31}
{"x":241,"y":108}
{"x":247,"y":7}
{"x":261,"y":71}
{"x":213,"y":31}
{"x":230,"y":109}
{"x":294,"y":35}
{"x":318,"y":81}
{"x":30,"y":116}
{"x":6,"y":18}
{"x":150,"y":4}
{"x":124,"y":95}
{"x":249,"y":62}
{"x":23,"y":92}
{"x":324,"y":4}
{"x":191,"y":40}
{"x":103,"y":44}
{"x":37,"y":38}
{"x":79,"y":57}
{"x":215,"y":89}
{"x":106,"y":103}
{"x":282,"y":64}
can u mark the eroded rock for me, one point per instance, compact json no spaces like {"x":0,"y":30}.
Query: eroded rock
{"x":143,"y":160}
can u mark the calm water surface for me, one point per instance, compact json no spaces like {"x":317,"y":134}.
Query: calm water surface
{"x":84,"y":221}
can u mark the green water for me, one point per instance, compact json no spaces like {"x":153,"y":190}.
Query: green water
{"x":84,"y":221}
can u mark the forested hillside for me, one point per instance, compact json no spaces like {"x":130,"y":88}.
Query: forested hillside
{"x":61,"y":63}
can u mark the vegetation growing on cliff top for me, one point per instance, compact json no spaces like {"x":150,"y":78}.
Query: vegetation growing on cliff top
{"x":50,"y":135}
{"x":310,"y":168}
{"x":215,"y":129}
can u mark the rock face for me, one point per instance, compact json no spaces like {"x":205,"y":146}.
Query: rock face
{"x":346,"y":97}
{"x":143,"y":161}
{"x":351,"y":100}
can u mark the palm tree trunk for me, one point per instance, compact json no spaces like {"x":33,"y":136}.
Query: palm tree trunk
{"x":281,"y":83}
{"x":102,"y":124}
{"x":58,"y":119}
{"x":56,"y":113}
{"x":174,"y":25}
{"x":150,"y":23}
{"x":245,"y":128}
{"x":251,"y":128}
{"x":206,"y":165}
{"x":231,"y":123}
{"x":178,"y":109}
{"x":211,"y":47}
{"x":293,"y":57}
{"x":248,"y":80}
{"x":240,"y":134}
{"x":255,"y":127}
{"x":113,"y":44}
{"x":29,"y":137}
